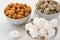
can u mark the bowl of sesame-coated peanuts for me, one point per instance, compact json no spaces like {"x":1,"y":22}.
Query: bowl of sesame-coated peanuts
{"x":48,"y":9}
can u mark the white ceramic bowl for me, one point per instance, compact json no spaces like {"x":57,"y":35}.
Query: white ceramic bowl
{"x":48,"y":17}
{"x":17,"y":21}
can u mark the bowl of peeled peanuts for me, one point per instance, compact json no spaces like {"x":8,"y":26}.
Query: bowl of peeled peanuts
{"x":48,"y":9}
{"x":17,"y":13}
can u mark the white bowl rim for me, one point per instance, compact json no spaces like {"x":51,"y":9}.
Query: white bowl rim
{"x":47,"y":14}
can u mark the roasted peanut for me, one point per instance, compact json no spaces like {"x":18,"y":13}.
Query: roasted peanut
{"x":19,"y":16}
{"x":14,"y":16}
{"x":26,"y":13}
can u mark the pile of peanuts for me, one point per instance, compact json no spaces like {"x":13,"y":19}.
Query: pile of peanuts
{"x":17,"y":11}
{"x":48,"y":7}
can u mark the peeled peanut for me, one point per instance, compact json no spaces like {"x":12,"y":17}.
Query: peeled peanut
{"x":10,"y":16}
{"x":11,"y":12}
{"x":55,"y":6}
{"x":27,"y":9}
{"x":12,"y":8}
{"x":14,"y":16}
{"x":7,"y":12}
{"x":19,"y":16}
{"x":21,"y":13}
{"x":15,"y":6}
{"x":22,"y":10}
{"x":58,"y":9}
{"x":18,"y":10}
{"x":51,"y":7}
{"x":10,"y":5}
{"x":7,"y":8}
{"x":43,"y":6}
{"x":26,"y":13}
{"x":46,"y":11}
{"x":21,"y":6}
{"x":58,"y":5}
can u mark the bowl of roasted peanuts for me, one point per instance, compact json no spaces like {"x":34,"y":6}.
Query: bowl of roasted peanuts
{"x":48,"y":9}
{"x":17,"y":13}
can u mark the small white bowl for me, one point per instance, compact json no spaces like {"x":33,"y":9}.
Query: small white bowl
{"x":17,"y":21}
{"x":48,"y":17}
